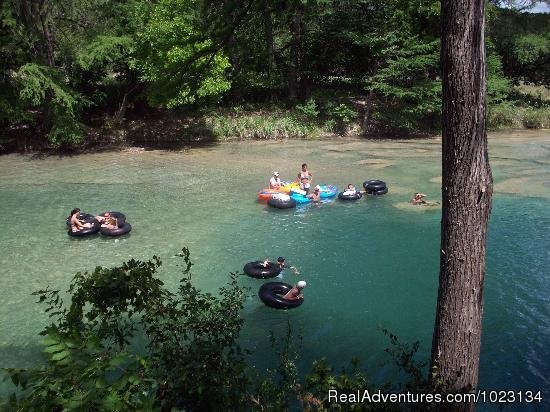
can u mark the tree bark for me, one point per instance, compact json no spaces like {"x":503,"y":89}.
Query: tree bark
{"x":466,"y":192}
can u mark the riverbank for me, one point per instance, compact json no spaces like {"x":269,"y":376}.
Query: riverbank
{"x":346,"y":116}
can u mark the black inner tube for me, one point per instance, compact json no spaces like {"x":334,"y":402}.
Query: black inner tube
{"x":379,"y":192}
{"x":375,"y":186}
{"x":281,"y":203}
{"x":368,"y":183}
{"x":272,"y":293}
{"x":259,"y":271}
{"x":88,"y":230}
{"x":119,"y":231}
{"x":353,"y":196}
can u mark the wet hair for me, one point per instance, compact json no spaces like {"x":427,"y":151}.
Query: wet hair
{"x":280,"y":259}
{"x":304,"y":164}
{"x":350,"y":185}
{"x":75,"y":210}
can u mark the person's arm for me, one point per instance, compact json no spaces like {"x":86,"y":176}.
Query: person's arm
{"x":75,"y":221}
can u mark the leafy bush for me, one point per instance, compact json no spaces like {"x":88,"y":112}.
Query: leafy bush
{"x":258,"y":125}
{"x":341,"y":115}
{"x":190,"y":340}
{"x":309,"y":109}
{"x":191,"y":361}
{"x":41,"y":85}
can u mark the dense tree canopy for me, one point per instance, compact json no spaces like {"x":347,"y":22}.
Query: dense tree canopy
{"x":65,"y":61}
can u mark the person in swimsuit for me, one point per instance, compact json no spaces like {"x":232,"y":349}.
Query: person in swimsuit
{"x":275,"y":181}
{"x":305,"y":178}
{"x":418,"y":199}
{"x":350,"y":190}
{"x":296,"y":292}
{"x":316,"y":195}
{"x":107,"y":221}
{"x":76,"y":224}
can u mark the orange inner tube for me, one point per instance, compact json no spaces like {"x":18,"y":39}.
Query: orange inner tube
{"x":266,"y":194}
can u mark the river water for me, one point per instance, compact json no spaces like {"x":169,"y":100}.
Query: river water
{"x":369,"y":264}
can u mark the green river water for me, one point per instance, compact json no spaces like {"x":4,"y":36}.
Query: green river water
{"x":369,"y":264}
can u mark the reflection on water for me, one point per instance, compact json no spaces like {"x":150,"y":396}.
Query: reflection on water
{"x":369,"y":264}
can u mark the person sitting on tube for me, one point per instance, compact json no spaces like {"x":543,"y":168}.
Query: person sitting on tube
{"x":107,"y":221}
{"x":350,"y":190}
{"x":76,"y":224}
{"x":296,"y":292}
{"x":275,"y":181}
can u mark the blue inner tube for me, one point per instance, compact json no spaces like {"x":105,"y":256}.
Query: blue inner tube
{"x":259,"y":271}
{"x":272,"y":293}
{"x":328,"y":191}
{"x":300,"y":199}
{"x":379,"y":192}
{"x":119,"y":231}
{"x":354,"y":196}
{"x":282,"y":203}
{"x":88,"y":230}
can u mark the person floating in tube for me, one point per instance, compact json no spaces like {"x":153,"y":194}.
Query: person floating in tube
{"x":351,"y":190}
{"x":76,"y":224}
{"x":275,"y":181}
{"x":281,"y":263}
{"x":316,"y":195}
{"x":107,"y":221}
{"x":296,"y":292}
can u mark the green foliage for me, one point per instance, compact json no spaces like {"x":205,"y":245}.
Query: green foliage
{"x":65,"y":63}
{"x":521,"y":39}
{"x":498,"y":86}
{"x":309,"y":109}
{"x":409,"y":85}
{"x":178,"y":61}
{"x":190,"y":340}
{"x":339,"y":116}
{"x":103,"y":50}
{"x":509,"y":115}
{"x":531,"y":47}
{"x":259,"y":125}
{"x":189,"y":358}
{"x":42,"y":85}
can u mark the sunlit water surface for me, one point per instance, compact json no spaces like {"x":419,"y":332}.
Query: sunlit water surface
{"x":369,"y":264}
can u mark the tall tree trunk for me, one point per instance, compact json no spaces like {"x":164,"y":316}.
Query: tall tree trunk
{"x":466,"y":190}
{"x":295,"y":52}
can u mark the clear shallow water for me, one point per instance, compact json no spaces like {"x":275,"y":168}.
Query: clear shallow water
{"x":368,"y":264}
